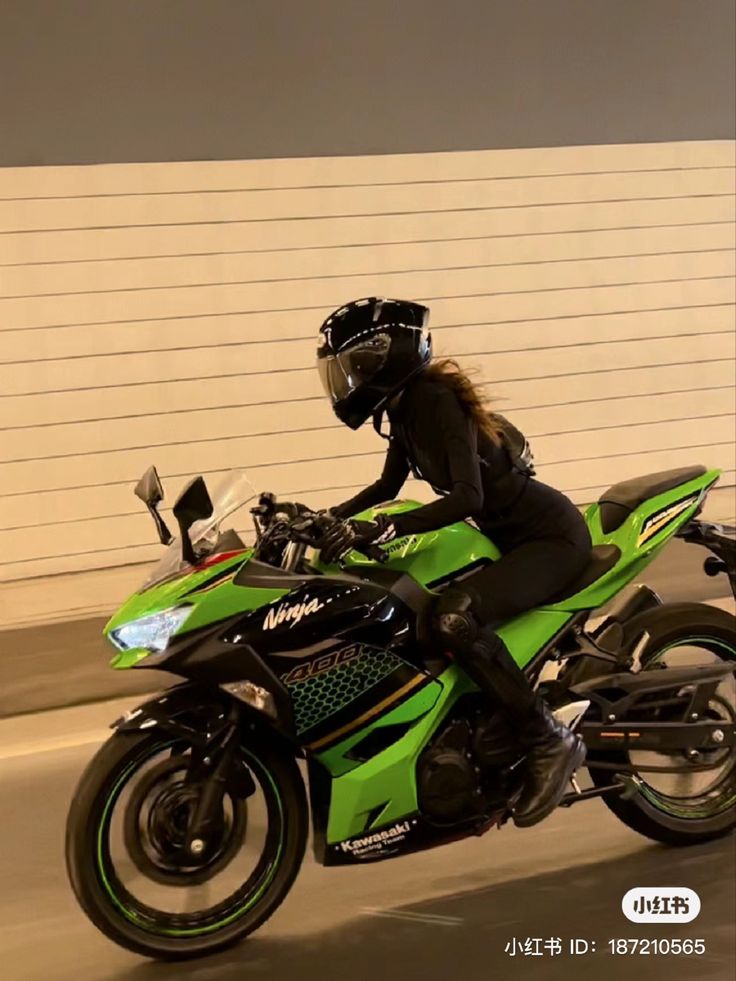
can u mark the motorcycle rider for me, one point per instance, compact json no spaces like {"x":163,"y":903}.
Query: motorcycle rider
{"x":374,"y":355}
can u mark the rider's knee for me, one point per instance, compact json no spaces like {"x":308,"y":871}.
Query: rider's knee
{"x":454,"y":622}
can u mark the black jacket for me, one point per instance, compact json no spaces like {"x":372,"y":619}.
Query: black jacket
{"x":432,"y":434}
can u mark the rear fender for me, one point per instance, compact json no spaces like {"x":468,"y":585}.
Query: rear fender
{"x":718,"y":539}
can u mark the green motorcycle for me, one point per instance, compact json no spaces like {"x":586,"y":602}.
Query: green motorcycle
{"x":189,"y":825}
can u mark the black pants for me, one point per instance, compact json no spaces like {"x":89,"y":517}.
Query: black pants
{"x":526,"y":576}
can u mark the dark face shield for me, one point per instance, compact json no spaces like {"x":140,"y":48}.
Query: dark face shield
{"x":343,"y":373}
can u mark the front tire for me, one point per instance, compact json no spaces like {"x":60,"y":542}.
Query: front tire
{"x":140,"y":926}
{"x":680,"y":819}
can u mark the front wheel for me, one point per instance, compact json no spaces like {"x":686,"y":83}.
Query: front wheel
{"x":699,"y":802}
{"x":125,"y":852}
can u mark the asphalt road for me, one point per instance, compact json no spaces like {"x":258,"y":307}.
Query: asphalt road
{"x":439,"y":915}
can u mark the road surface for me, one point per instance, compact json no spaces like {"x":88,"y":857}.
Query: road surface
{"x":438,"y":916}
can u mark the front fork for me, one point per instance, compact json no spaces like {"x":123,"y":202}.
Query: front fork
{"x":215,"y":768}
{"x":211,"y":726}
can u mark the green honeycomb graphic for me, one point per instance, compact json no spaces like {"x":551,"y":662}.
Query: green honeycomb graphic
{"x":318,"y":697}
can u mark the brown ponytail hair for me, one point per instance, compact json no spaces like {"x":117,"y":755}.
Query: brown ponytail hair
{"x":448,"y":372}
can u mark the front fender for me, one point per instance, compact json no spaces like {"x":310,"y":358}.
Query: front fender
{"x":197,"y":714}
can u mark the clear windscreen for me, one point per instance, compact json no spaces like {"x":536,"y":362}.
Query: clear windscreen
{"x":232,"y":493}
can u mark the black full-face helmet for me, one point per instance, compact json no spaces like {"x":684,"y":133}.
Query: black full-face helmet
{"x":368,"y":350}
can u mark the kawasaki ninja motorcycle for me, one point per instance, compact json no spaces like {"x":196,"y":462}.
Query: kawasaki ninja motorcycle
{"x":189,"y":825}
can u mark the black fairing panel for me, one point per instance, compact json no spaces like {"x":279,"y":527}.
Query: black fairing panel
{"x":340,"y":646}
{"x":328,"y":651}
{"x":317,"y":612}
{"x":205,"y":657}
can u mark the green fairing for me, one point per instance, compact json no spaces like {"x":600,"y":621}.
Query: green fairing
{"x":210,"y":604}
{"x":427,"y":558}
{"x":414,"y":708}
{"x":634,"y":559}
{"x":434,"y":554}
{"x":389,"y":777}
{"x":526,"y":634}
{"x":385,"y":785}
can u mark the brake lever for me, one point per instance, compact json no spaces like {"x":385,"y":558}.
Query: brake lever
{"x":303,"y":528}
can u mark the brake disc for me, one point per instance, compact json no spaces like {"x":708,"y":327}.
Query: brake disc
{"x":156,"y":821}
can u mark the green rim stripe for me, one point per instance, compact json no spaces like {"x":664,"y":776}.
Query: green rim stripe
{"x":138,"y":921}
{"x":651,"y":795}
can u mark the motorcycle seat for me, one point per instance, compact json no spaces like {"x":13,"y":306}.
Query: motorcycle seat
{"x":620,"y":500}
{"x":602,"y":559}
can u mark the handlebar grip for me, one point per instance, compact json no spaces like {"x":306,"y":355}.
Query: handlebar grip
{"x":373,"y":552}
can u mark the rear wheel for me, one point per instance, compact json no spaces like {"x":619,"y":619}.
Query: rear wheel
{"x":697,"y":804}
{"x":125,"y":851}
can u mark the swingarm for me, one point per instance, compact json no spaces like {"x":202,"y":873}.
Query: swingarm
{"x":663,"y":712}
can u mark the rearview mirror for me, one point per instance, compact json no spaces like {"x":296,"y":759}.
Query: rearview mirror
{"x":193,"y":504}
{"x":150,"y":491}
{"x":149,"y":488}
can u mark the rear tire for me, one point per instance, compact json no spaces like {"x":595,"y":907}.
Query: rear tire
{"x":92,"y":876}
{"x":671,"y":626}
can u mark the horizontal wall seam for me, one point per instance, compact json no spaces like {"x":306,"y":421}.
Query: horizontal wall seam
{"x":199,"y":441}
{"x":357,"y":275}
{"x":328,"y":489}
{"x":334,"y":303}
{"x":229,"y":406}
{"x":403,"y":183}
{"x":241,"y":374}
{"x":303,"y":337}
{"x":360,"y":214}
{"x":305,"y":340}
{"x":128,"y":481}
{"x":359,"y":245}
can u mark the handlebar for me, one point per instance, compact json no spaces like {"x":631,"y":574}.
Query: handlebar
{"x":293,"y":522}
{"x":302,"y":531}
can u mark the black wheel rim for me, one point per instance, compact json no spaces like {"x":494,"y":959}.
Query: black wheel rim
{"x":221,"y":915}
{"x":720,"y":795}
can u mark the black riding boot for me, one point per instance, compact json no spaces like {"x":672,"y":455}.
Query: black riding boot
{"x":552,"y":751}
{"x":553,"y":754}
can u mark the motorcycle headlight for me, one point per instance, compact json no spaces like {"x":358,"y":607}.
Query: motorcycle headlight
{"x":150,"y":633}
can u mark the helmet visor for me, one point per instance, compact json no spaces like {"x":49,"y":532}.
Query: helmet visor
{"x":343,"y":373}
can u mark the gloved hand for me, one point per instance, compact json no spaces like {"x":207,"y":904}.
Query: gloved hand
{"x":344,"y":536}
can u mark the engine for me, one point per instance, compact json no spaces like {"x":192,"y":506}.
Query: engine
{"x":464,"y":773}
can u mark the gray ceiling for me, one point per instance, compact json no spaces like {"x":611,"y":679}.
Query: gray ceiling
{"x":87,"y":81}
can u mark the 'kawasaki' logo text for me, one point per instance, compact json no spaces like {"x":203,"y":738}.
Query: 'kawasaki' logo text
{"x":291,"y":614}
{"x":376,"y":840}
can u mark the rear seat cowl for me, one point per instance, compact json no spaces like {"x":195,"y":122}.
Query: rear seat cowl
{"x":621,"y":499}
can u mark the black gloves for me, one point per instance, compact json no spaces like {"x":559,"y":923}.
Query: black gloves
{"x":344,"y":536}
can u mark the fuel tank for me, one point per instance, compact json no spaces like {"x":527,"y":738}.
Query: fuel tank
{"x":434,"y":557}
